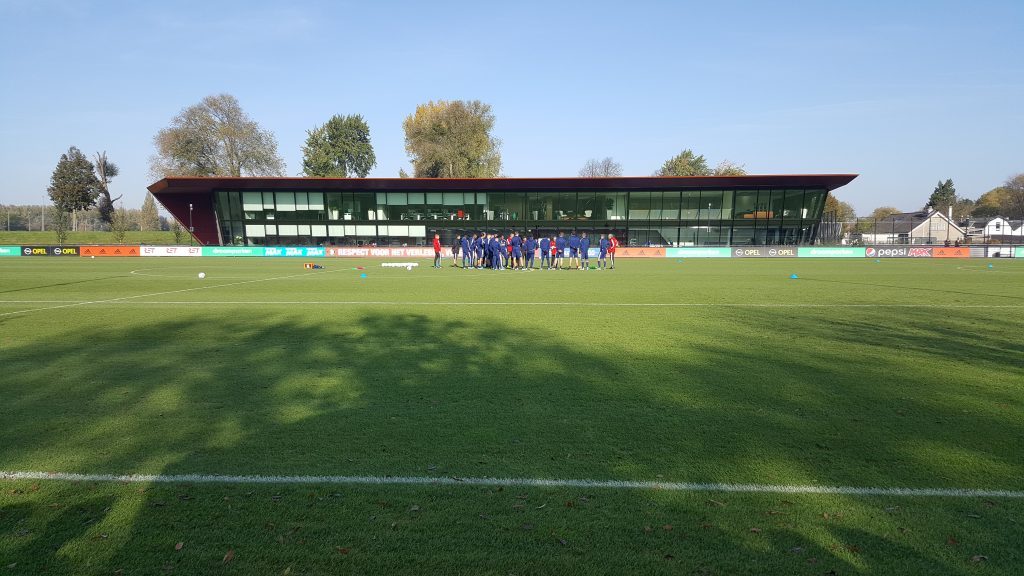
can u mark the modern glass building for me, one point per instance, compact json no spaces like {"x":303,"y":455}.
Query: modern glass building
{"x":654,"y":211}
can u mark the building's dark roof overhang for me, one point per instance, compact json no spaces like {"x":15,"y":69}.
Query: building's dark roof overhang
{"x":192,"y":185}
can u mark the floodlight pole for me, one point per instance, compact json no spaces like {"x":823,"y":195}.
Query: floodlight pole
{"x":191,"y":230}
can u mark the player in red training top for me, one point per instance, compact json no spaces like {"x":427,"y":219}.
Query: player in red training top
{"x":613,"y":244}
{"x":437,"y":251}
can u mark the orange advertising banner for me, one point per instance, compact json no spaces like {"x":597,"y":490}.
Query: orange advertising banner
{"x":625,"y":252}
{"x":87,"y":251}
{"x":944,"y":252}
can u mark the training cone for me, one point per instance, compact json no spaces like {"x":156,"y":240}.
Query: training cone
{"x":363,"y":275}
{"x":989,"y":265}
{"x":793,"y":277}
{"x":877,"y":261}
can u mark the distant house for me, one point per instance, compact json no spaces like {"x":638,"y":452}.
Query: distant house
{"x":1000,"y":229}
{"x":925,"y":227}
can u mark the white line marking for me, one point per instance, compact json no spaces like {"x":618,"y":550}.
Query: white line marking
{"x":123,"y":299}
{"x":522,"y":482}
{"x":118,"y":301}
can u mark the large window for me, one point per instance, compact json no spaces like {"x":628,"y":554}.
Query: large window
{"x":565,"y":206}
{"x":610,"y":206}
{"x":586,"y":206}
{"x":646,"y":217}
{"x":712,"y":204}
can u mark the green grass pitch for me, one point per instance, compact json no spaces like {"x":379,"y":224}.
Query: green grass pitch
{"x":892,"y":374}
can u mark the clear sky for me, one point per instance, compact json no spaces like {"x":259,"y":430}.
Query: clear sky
{"x":903,"y":93}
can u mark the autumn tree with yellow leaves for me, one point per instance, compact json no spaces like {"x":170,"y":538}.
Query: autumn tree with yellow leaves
{"x":452,"y":139}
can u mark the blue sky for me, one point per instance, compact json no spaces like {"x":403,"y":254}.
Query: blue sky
{"x":903,"y":93}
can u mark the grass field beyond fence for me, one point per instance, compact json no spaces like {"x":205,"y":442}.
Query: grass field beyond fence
{"x":47,"y":238}
{"x":864,"y":374}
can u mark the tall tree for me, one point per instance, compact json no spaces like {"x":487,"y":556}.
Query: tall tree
{"x":883,"y":212}
{"x":121,"y":223}
{"x":990,"y":204}
{"x":843,"y":211}
{"x":452,"y":139}
{"x":73,"y":186}
{"x":595,"y":168}
{"x":727,"y":168}
{"x":60,"y":223}
{"x":149,"y":218}
{"x":179,"y":233}
{"x":340,"y":148}
{"x":943,"y":196}
{"x":686,"y":163}
{"x":1013,"y":204}
{"x":962,"y":209}
{"x":105,"y":172}
{"x":215,"y":138}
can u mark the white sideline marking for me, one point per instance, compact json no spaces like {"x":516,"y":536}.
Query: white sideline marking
{"x":523,"y":482}
{"x":454,"y":303}
{"x":122,"y":299}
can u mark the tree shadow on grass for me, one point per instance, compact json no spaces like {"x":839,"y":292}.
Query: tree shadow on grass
{"x":370,"y":393}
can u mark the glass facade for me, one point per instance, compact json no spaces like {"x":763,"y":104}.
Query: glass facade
{"x":687,"y":217}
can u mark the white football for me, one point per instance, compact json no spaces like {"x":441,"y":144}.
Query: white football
{"x":202,"y":275}
{"x":409,"y":268}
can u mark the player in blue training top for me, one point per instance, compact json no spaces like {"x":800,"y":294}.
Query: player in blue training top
{"x":481,"y":250}
{"x":574,"y":250}
{"x":474,"y":249}
{"x":584,"y":247}
{"x":530,"y":251}
{"x":496,"y":254}
{"x":602,"y":260}
{"x":545,"y":252}
{"x":517,"y":251}
{"x":466,"y":256}
{"x":559,"y":250}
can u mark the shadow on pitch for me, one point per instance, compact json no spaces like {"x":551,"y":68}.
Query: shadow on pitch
{"x":760,"y":396}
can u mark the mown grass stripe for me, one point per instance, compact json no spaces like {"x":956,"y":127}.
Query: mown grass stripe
{"x":519,"y":482}
{"x":120,"y":301}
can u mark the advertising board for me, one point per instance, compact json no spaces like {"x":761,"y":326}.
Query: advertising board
{"x":49,"y":250}
{"x":368,"y":252}
{"x":10,"y":250}
{"x":294,"y":251}
{"x":951,"y":252}
{"x":698,"y":252}
{"x":764,"y":252}
{"x":170,"y":251}
{"x":109,"y":251}
{"x":1018,"y":252}
{"x":232,"y":251}
{"x":632,"y":252}
{"x":898,"y":251}
{"x":830,"y":252}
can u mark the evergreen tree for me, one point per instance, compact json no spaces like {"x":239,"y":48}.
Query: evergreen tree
{"x":149,"y":219}
{"x":340,"y":148}
{"x":943,"y":196}
{"x":73,"y":186}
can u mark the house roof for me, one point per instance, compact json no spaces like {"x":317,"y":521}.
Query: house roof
{"x":906,"y":222}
